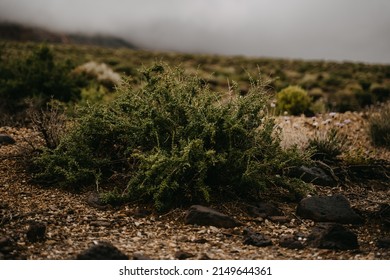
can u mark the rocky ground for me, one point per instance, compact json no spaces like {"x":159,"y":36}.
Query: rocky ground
{"x":50,"y":223}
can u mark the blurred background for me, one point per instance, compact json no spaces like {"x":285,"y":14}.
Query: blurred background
{"x":341,"y":30}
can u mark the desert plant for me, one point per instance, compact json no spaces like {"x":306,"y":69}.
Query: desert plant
{"x":343,"y":101}
{"x":327,"y":145}
{"x":37,"y":77}
{"x":293,"y":100}
{"x":380,"y":93}
{"x":50,"y":122}
{"x":379,"y":127}
{"x":175,"y":141}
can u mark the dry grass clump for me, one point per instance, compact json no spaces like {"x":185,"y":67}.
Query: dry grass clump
{"x":379,"y":127}
{"x":100,"y":71}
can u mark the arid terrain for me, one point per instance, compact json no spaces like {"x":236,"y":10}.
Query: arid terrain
{"x":73,"y":223}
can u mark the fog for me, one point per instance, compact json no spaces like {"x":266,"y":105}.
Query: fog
{"x":353,"y":30}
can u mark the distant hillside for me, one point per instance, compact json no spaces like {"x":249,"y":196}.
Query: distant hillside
{"x":22,"y":33}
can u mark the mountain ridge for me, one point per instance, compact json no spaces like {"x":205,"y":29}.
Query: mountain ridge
{"x":22,"y":33}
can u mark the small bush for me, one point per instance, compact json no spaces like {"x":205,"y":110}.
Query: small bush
{"x":293,"y":100}
{"x":50,"y":123}
{"x":343,"y":101}
{"x":37,"y":77}
{"x":379,"y":127}
{"x":176,"y":142}
{"x":328,"y":145}
{"x":380,"y":93}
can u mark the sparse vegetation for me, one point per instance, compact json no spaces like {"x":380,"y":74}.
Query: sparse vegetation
{"x":379,"y":127}
{"x":36,"y":78}
{"x":204,"y":132}
{"x":49,"y":122}
{"x":327,"y":145}
{"x":151,"y":133}
{"x":331,"y":77}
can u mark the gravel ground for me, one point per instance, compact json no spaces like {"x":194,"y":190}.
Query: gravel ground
{"x":73,"y":225}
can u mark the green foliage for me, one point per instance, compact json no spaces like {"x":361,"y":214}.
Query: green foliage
{"x":379,"y":127}
{"x":380,"y":93}
{"x":328,"y":145}
{"x":176,"y":142}
{"x":332,"y":78}
{"x":94,"y":94}
{"x":36,"y":77}
{"x":344,"y":101}
{"x":293,"y":100}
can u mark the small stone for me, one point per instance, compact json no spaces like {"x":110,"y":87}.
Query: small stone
{"x":256,"y":239}
{"x":314,"y":175}
{"x":383,"y":242}
{"x":332,"y":236}
{"x":200,"y":241}
{"x":102,"y":251}
{"x":204,"y":216}
{"x":100,"y":223}
{"x":204,"y":256}
{"x":36,"y":232}
{"x":140,"y":256}
{"x":6,"y":245}
{"x":142,"y":213}
{"x":279,"y":219}
{"x":291,"y":242}
{"x":264,"y":210}
{"x":6,"y":140}
{"x":182,"y":255}
{"x":95,"y":201}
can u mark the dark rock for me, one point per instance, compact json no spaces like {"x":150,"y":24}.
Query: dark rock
{"x":334,"y":208}
{"x":314,"y":175}
{"x":200,"y":241}
{"x":102,"y":251}
{"x":291,"y":242}
{"x":332,"y":236}
{"x":383,"y":242}
{"x":256,"y":239}
{"x":142,"y":213}
{"x":182,"y":255}
{"x":6,"y":140}
{"x":95,"y":201}
{"x":3,"y":205}
{"x":6,"y":245}
{"x":36,"y":232}
{"x":140,"y":256}
{"x":384,"y":215}
{"x":204,"y":216}
{"x":264,"y":210}
{"x":279,"y":219}
{"x":204,"y":256}
{"x":100,"y":223}
{"x":9,"y":250}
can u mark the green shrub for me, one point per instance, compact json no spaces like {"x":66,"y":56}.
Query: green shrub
{"x":343,"y":101}
{"x":36,"y":77}
{"x":380,"y":93}
{"x":379,"y":127}
{"x":293,"y":100}
{"x":364,"y":98}
{"x":176,"y":142}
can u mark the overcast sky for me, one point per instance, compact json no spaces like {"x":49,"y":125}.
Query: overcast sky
{"x":357,"y":30}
